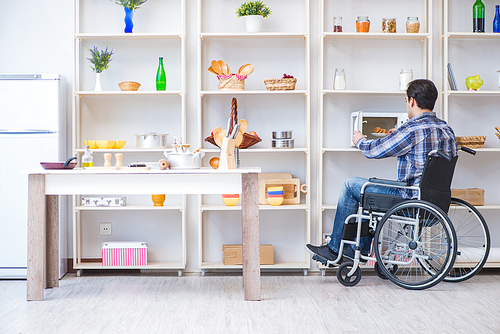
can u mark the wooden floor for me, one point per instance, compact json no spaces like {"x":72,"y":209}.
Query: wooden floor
{"x":150,"y":303}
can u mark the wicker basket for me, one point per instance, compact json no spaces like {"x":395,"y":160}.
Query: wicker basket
{"x":231,"y":83}
{"x":280,"y":84}
{"x":248,"y":140}
{"x":129,"y":85}
{"x":471,"y":141}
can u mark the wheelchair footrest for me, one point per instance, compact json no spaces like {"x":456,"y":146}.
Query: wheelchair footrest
{"x":321,"y":260}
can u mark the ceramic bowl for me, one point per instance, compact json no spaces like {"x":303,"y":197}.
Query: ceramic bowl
{"x":92,"y":144}
{"x":275,"y":201}
{"x":119,"y":144}
{"x":230,"y":199}
{"x":105,"y":144}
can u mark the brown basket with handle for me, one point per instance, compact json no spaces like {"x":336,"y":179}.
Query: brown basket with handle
{"x":280,"y":84}
{"x":471,"y":141}
{"x":231,"y":83}
{"x":248,"y":139}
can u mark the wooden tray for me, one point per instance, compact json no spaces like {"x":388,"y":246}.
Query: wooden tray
{"x":291,"y":188}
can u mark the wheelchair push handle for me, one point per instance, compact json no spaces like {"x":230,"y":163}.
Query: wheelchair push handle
{"x":441,"y":154}
{"x":468,"y":150}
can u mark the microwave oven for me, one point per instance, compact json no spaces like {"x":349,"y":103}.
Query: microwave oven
{"x":366,"y":121}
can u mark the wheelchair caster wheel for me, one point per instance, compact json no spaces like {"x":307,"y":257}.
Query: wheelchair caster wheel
{"x":342,"y":272}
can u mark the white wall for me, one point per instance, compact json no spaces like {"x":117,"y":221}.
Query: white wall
{"x":37,"y":37}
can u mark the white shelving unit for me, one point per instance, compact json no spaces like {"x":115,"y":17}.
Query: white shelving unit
{"x":87,"y":104}
{"x":215,"y":40}
{"x":472,"y":113}
{"x":367,"y":87}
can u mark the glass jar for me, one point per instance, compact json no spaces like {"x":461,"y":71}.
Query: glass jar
{"x":412,"y":25}
{"x":405,"y":77}
{"x":339,"y":79}
{"x":337,"y":24}
{"x":389,"y":25}
{"x":362,"y":24}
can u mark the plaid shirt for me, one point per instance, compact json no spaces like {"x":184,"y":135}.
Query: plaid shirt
{"x":411,"y":143}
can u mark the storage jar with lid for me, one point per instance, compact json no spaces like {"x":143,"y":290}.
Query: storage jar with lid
{"x":412,"y":25}
{"x":362,"y":24}
{"x":389,"y":25}
{"x":339,"y":79}
{"x":337,"y":24}
{"x":405,"y":77}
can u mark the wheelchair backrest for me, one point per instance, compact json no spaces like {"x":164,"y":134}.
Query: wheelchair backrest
{"x":436,"y":180}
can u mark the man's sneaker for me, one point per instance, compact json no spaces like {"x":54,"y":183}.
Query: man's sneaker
{"x":349,"y":254}
{"x":322,"y":254}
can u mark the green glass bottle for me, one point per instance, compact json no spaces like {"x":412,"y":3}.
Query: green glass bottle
{"x":161,"y":77}
{"x":478,"y":16}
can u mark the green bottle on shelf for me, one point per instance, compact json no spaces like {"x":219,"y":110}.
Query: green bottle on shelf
{"x":478,"y":16}
{"x":161,"y":77}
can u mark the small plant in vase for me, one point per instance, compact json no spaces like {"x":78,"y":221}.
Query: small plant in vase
{"x":99,"y":61}
{"x":129,"y":6}
{"x":254,"y":12}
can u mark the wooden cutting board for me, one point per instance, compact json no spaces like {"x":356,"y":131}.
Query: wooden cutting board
{"x":291,"y":190}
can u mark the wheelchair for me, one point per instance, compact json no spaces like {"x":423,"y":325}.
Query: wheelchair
{"x":415,"y":243}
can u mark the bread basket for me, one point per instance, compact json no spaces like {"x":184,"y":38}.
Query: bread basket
{"x":280,"y":84}
{"x":471,"y":141}
{"x":129,"y":85}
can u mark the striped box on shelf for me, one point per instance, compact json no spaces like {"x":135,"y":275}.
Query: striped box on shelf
{"x":125,"y":253}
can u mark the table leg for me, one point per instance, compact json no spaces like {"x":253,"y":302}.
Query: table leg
{"x":36,"y":278}
{"x":52,"y":220}
{"x":251,"y":237}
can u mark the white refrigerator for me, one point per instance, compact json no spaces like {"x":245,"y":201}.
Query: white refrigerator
{"x":32,"y":130}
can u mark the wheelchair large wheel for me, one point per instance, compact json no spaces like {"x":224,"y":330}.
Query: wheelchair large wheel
{"x":473,"y":240}
{"x":415,"y":245}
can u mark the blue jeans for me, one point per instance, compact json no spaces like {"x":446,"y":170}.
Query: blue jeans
{"x":348,"y":204}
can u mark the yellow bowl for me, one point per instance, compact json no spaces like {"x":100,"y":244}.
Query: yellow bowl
{"x":92,"y":144}
{"x":275,"y":200}
{"x":105,"y":144}
{"x":119,"y":143}
{"x":231,"y":201}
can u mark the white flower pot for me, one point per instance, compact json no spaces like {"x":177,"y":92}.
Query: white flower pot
{"x":253,"y":23}
{"x":98,"y":86}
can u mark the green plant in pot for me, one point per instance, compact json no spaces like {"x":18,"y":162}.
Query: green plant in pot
{"x":99,"y":61}
{"x":129,"y":6}
{"x":254,"y":12}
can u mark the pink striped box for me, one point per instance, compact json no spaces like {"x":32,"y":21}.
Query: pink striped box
{"x":126,"y":253}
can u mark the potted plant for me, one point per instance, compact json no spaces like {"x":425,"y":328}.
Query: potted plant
{"x":99,"y":61}
{"x":129,"y":6}
{"x":254,"y":12}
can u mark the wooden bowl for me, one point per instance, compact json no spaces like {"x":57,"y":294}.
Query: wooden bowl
{"x":129,"y":85}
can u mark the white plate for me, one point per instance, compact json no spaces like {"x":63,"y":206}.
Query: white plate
{"x":379,"y":134}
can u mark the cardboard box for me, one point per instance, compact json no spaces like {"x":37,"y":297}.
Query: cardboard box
{"x":474,"y":196}
{"x":134,"y":253}
{"x":233,"y":254}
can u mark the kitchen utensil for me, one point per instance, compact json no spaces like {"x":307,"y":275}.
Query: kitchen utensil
{"x":212,"y":70}
{"x":223,"y":67}
{"x":244,"y":125}
{"x":219,"y":136}
{"x":291,"y":187}
{"x":282,"y":134}
{"x":151,"y":140}
{"x":163,"y":164}
{"x":282,"y":143}
{"x":235,"y":131}
{"x":67,"y":162}
{"x":227,"y":160}
{"x":107,"y":159}
{"x":57,"y":165}
{"x":241,"y":68}
{"x":184,"y":160}
{"x":216,"y":67}
{"x":118,"y":159}
{"x":246,"y":69}
{"x":228,"y":127}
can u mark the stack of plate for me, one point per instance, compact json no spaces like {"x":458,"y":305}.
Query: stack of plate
{"x":275,"y":195}
{"x":282,"y":139}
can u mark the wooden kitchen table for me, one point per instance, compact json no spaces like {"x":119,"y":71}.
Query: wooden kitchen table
{"x":45,"y":186}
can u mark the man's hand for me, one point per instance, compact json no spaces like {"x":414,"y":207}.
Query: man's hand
{"x":356,"y":135}
{"x":391,"y":130}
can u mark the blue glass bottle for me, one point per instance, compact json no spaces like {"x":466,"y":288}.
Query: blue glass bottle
{"x":129,"y":24}
{"x":496,"y":20}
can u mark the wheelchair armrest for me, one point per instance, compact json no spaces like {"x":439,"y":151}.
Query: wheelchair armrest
{"x":388,"y":182}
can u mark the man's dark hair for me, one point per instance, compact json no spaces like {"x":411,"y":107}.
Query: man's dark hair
{"x":424,"y":92}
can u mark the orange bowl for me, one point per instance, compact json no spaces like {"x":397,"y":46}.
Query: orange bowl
{"x":230,"y":199}
{"x":119,"y":143}
{"x":92,"y":144}
{"x":105,"y":144}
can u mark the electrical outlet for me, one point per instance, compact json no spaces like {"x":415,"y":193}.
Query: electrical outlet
{"x":105,"y":228}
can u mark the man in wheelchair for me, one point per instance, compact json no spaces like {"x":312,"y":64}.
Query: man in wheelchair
{"x":410,"y":143}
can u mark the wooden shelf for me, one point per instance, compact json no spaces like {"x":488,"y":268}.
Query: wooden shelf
{"x":129,"y":36}
{"x":261,"y":207}
{"x":150,"y":265}
{"x":129,"y":208}
{"x":374,"y":35}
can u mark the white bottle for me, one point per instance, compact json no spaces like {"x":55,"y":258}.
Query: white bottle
{"x":405,"y":77}
{"x":339,"y":79}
